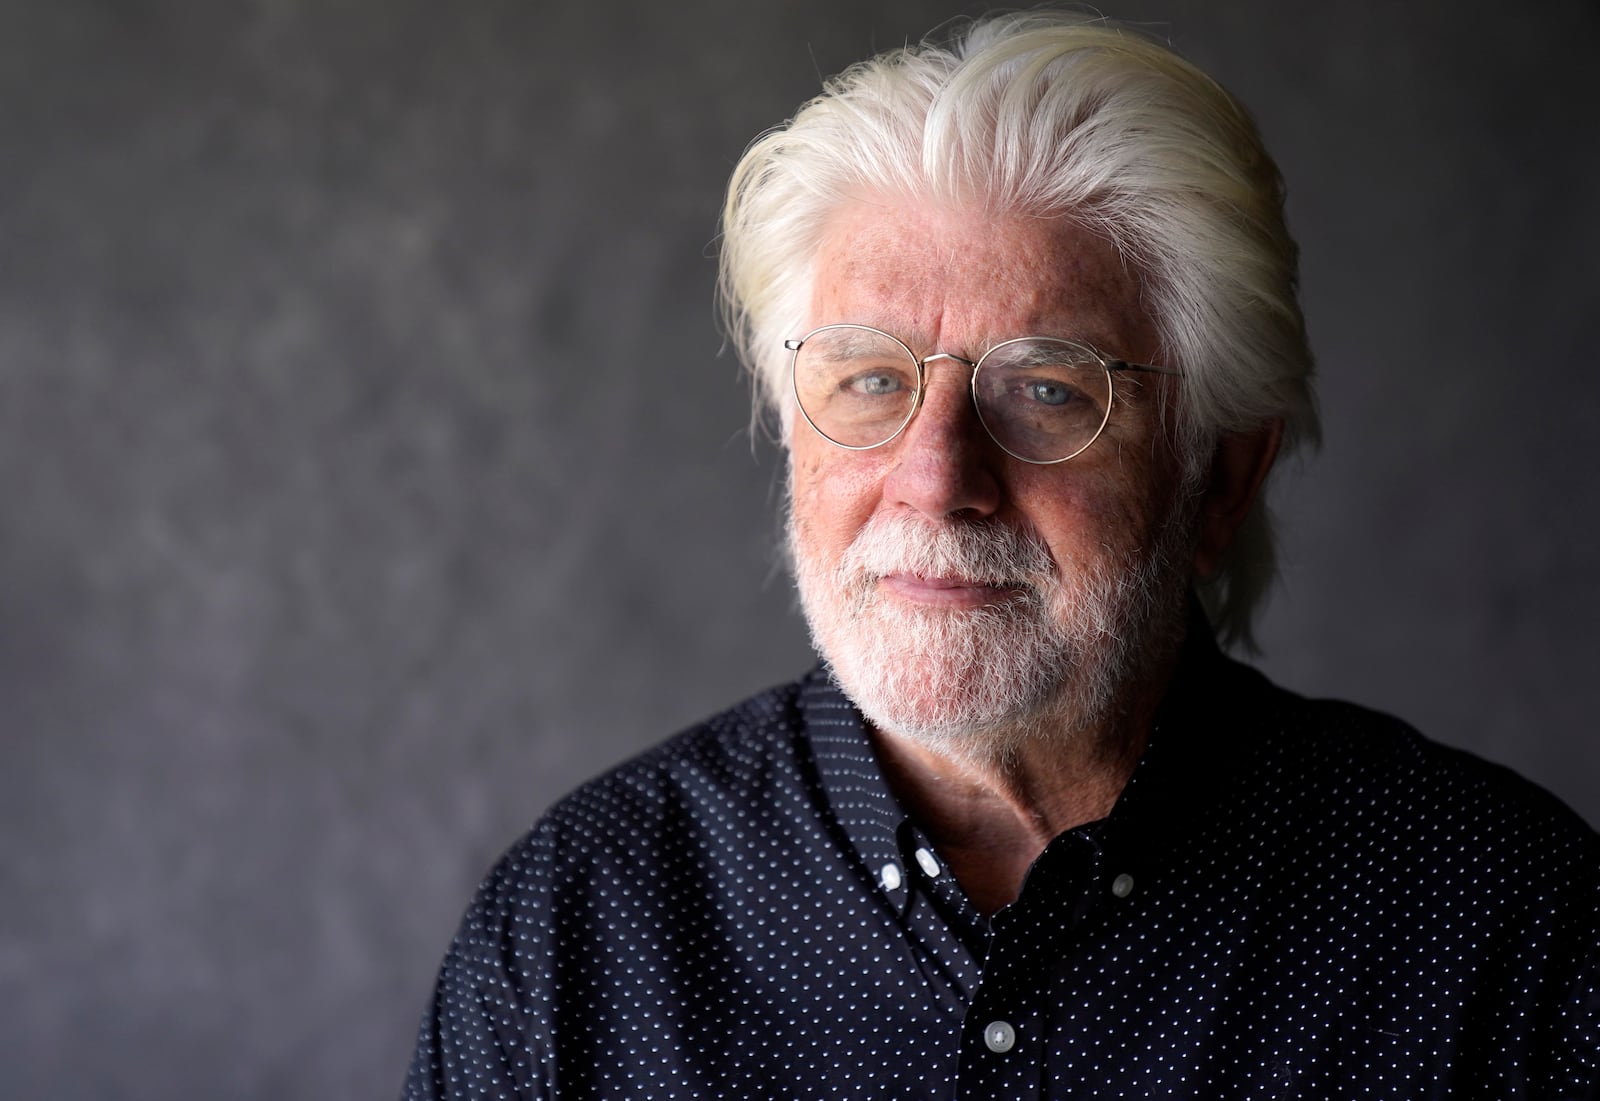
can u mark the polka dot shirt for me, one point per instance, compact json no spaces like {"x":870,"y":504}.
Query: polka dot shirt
{"x":1291,"y":899}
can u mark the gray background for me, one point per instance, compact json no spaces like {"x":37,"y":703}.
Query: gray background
{"x":371,"y":476}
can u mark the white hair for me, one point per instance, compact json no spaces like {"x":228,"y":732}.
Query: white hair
{"x":1055,"y":114}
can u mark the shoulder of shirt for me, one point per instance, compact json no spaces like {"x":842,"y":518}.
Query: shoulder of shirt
{"x":1366,"y":760}
{"x":725,"y":768}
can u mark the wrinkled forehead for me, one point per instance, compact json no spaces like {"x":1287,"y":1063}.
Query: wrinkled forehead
{"x":961,"y":279}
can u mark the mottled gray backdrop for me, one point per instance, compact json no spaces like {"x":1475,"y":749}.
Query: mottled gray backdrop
{"x":370,"y":473}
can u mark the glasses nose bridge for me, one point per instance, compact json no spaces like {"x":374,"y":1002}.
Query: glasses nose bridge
{"x":923,"y":381}
{"x":969,"y":364}
{"x":922,"y":372}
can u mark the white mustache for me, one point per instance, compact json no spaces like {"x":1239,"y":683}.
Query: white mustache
{"x":984,"y":553}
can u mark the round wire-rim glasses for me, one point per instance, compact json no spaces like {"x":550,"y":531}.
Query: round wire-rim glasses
{"x":1042,"y":394}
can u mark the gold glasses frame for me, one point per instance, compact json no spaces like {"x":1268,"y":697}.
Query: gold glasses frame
{"x":1108,"y":364}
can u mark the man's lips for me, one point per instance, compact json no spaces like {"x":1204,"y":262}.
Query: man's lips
{"x":947,"y":592}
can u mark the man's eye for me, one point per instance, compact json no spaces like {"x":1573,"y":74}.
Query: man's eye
{"x":875,"y":385}
{"x":1048,"y":392}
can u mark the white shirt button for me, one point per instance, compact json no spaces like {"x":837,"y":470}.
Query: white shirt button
{"x":1122,"y":886}
{"x":928,"y":863}
{"x":1000,"y":1037}
{"x":890,"y":877}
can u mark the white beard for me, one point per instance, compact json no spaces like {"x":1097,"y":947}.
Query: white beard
{"x":1054,"y":659}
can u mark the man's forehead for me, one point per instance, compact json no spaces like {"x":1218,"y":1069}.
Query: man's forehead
{"x":923,"y":271}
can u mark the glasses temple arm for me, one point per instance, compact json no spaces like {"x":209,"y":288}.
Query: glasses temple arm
{"x":1120,"y":365}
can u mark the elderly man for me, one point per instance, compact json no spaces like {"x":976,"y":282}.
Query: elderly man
{"x":1024,"y":308}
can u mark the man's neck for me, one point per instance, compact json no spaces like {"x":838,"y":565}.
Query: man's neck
{"x":990,"y":817}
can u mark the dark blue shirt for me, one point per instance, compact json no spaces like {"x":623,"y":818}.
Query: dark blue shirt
{"x":1291,"y":899}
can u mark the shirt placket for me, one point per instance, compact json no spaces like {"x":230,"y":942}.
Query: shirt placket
{"x":1006,"y":1033}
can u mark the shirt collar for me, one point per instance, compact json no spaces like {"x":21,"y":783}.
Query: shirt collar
{"x":1196,"y":743}
{"x":852,"y":782}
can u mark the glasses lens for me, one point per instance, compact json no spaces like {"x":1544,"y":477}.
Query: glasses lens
{"x":856,"y":386}
{"x":1043,"y":400}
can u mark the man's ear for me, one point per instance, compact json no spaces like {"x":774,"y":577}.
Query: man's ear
{"x":1238,"y":468}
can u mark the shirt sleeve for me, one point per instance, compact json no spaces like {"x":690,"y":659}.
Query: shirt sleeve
{"x":486,"y":1033}
{"x":1575,"y":1044}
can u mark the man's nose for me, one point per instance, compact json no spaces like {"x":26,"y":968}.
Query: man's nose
{"x":945,"y":461}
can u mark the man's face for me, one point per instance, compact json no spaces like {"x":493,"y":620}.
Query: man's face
{"x":956,"y":591}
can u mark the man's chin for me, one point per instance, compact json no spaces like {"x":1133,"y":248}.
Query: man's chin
{"x":961,"y":705}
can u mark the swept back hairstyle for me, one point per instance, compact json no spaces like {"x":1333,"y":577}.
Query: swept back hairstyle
{"x":1054,"y":114}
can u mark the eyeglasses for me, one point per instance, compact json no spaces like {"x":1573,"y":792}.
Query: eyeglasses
{"x":1043,"y":399}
